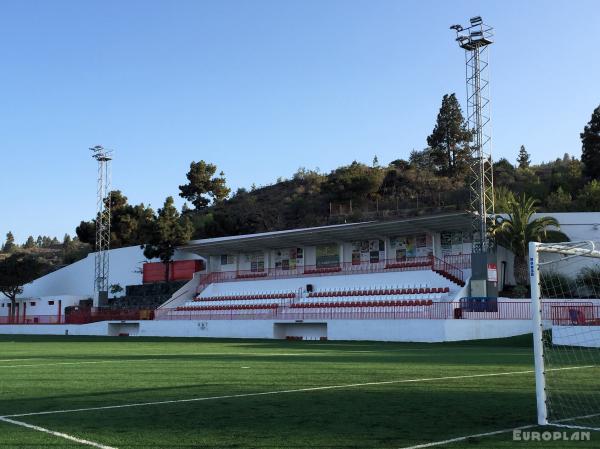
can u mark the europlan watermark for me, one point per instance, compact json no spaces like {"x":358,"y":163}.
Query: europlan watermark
{"x":555,"y":435}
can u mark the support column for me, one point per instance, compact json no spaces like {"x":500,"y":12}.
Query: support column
{"x":268,"y":261}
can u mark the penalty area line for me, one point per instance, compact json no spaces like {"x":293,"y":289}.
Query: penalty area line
{"x":277,"y":392}
{"x":56,"y":434}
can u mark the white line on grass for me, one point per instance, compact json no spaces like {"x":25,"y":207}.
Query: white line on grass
{"x":23,"y":360}
{"x":141,"y":359}
{"x":478,"y":435}
{"x":67,"y":363}
{"x":298,"y":390}
{"x":498,"y":432}
{"x":56,"y":434}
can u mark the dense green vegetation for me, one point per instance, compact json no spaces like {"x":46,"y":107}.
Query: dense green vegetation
{"x":434,"y":179}
{"x":56,"y":373}
{"x":47,"y":249}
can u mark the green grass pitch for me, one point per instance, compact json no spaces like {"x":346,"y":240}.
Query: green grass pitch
{"x":377,"y":404}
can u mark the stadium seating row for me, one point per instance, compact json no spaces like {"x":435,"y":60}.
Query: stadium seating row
{"x":411,"y":303}
{"x":433,"y":296}
{"x":378,"y":291}
{"x":236,"y":302}
{"x":228,"y":307}
{"x":247,"y":297}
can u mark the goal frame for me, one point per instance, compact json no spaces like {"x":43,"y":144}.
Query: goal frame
{"x":538,"y":334}
{"x":568,"y":249}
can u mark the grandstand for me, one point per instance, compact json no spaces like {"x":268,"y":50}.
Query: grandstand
{"x":398,"y":280}
{"x":353,"y":271}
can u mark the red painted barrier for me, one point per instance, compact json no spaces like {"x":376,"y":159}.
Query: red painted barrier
{"x":179,"y":270}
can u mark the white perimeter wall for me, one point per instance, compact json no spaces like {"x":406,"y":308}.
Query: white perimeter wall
{"x":77,"y":279}
{"x":374,"y":330}
{"x":577,"y":225}
{"x":583,"y":336}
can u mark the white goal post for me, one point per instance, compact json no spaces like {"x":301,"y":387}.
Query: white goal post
{"x":565,"y":303}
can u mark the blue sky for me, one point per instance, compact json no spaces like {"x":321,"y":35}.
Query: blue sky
{"x":261,"y":88}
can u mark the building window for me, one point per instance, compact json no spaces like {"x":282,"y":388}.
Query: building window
{"x":227,"y":259}
{"x":32,"y":303}
{"x":50,"y":303}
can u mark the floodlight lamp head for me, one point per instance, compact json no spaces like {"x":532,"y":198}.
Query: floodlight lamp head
{"x":457,"y":28}
{"x":477,"y":20}
{"x":100,"y":153}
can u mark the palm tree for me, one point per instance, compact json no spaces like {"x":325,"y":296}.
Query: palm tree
{"x":518,"y":229}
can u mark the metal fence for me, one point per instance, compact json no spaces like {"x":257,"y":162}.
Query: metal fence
{"x":560,"y":313}
{"x":435,"y":311}
{"x":82,"y":316}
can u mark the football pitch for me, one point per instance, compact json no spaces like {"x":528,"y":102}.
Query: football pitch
{"x":81,"y":392}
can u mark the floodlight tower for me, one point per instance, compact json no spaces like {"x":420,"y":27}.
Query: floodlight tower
{"x":475,"y":40}
{"x":101,"y":267}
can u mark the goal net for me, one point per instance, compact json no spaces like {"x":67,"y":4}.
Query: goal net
{"x":565,"y":292}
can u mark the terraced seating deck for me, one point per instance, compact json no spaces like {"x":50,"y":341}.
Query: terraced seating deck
{"x":227,"y":307}
{"x":247,"y":297}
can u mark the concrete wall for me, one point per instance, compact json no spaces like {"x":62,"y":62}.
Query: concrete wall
{"x":577,"y":225}
{"x":375,"y":330}
{"x":582,"y":336}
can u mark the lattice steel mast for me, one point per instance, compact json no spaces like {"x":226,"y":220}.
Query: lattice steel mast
{"x":101,"y":268}
{"x":475,"y":40}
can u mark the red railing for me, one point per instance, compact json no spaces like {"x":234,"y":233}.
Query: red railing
{"x":408,"y":264}
{"x":435,"y":311}
{"x":561,"y":313}
{"x":462,"y":261}
{"x":82,"y":316}
{"x":575,"y":313}
{"x":449,"y":271}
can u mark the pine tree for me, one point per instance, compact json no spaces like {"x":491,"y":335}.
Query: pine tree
{"x":524,"y":159}
{"x":169,"y":230}
{"x":30,"y":243}
{"x":203,"y":186}
{"x":590,"y":140}
{"x":449,"y":140}
{"x":9,"y":244}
